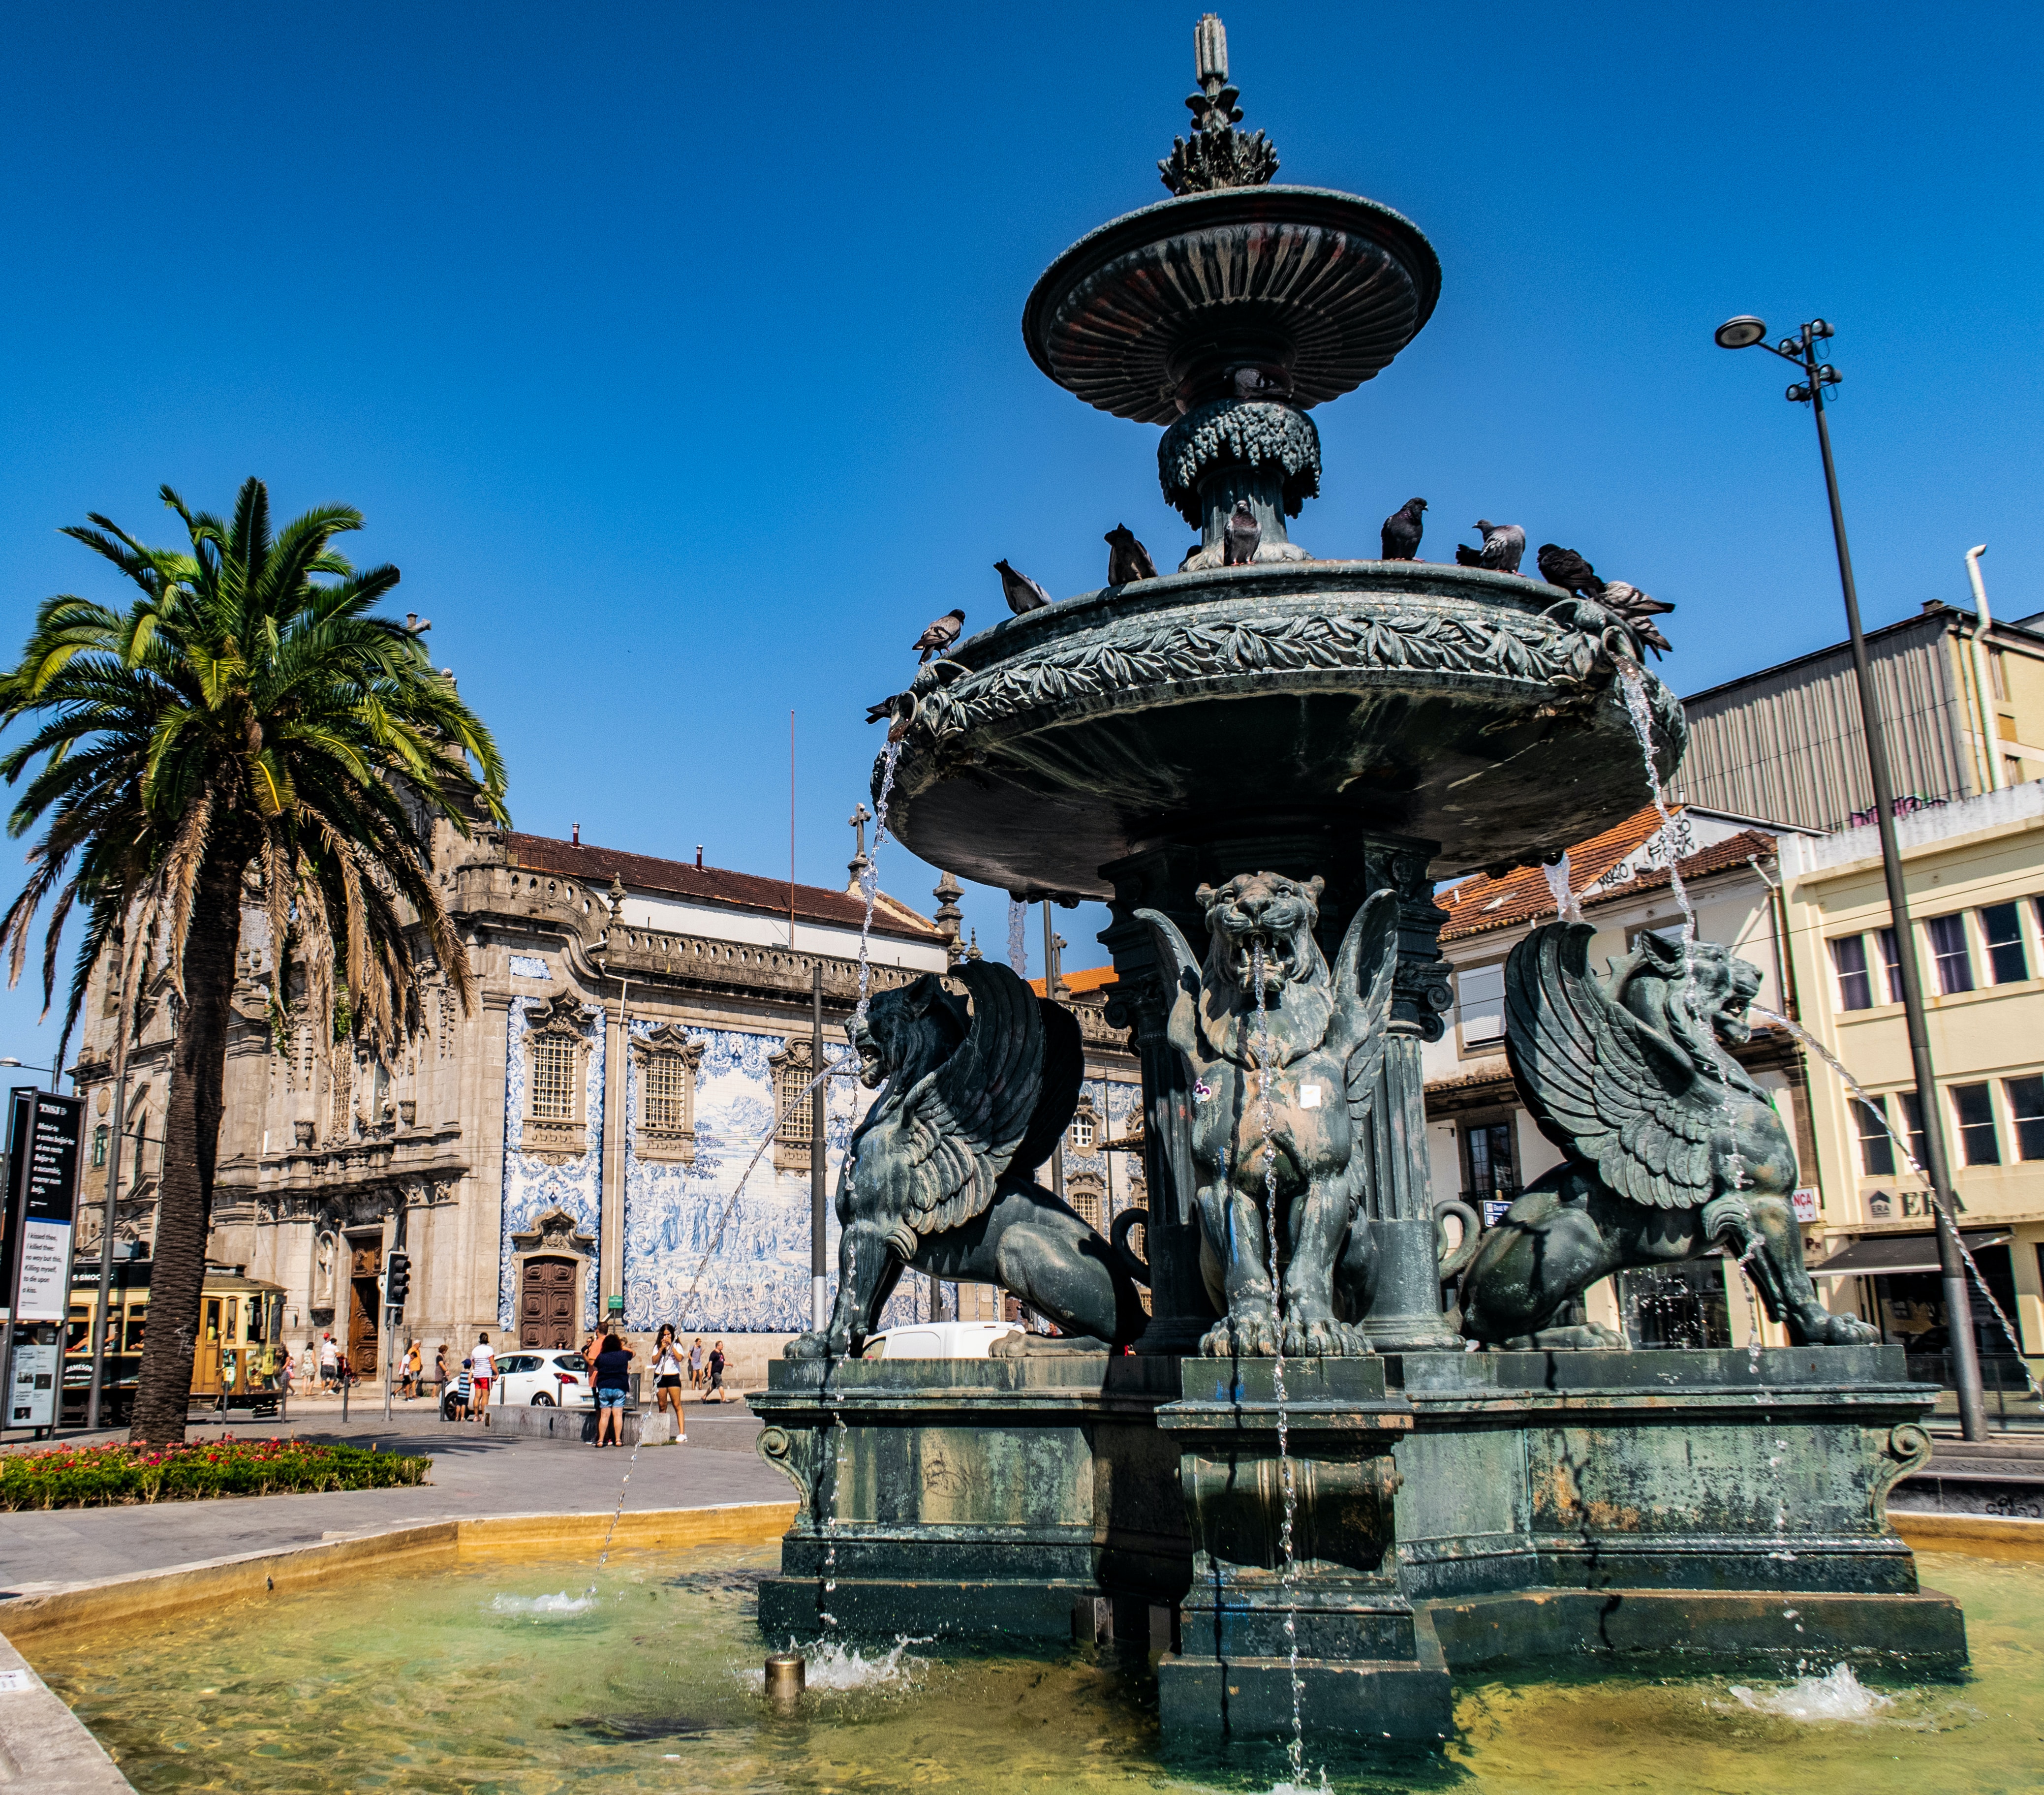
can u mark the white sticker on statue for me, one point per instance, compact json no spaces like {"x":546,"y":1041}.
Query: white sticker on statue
{"x":1309,"y":1097}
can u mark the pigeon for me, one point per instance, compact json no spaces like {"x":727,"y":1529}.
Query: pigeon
{"x":1023,"y":594}
{"x":940,"y":635}
{"x":1638,"y":609}
{"x":1568,"y":570}
{"x":1126,"y":559}
{"x":1401,"y":531}
{"x":1504,"y":544}
{"x":1241,"y":533}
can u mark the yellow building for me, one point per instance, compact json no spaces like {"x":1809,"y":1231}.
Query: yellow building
{"x":1975,"y":870}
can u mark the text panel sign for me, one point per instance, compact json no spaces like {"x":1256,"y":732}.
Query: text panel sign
{"x":43,"y":1141}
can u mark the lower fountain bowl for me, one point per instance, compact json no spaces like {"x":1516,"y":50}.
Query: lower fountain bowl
{"x":1437,"y":704}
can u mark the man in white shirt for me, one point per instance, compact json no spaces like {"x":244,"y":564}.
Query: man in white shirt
{"x":481,"y":1371}
{"x":329,"y":1362}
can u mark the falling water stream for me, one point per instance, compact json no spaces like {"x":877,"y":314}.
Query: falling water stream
{"x":1266,"y":1061}
{"x":1018,"y":937}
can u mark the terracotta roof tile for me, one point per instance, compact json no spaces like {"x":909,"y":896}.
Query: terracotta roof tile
{"x":1478,"y":905}
{"x":597,"y":867}
{"x":1093,"y":979}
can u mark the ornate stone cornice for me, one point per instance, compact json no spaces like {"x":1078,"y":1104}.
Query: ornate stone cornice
{"x":1239,"y":432}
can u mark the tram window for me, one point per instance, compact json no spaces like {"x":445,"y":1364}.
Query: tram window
{"x":252,"y":1320}
{"x":138,"y":1323}
{"x":77,"y":1330}
{"x":212,"y":1320}
{"x":274,"y":1334}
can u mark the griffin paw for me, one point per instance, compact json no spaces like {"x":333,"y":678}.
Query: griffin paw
{"x":813,"y":1346}
{"x":1823,"y":1329}
{"x":1322,"y":1338}
{"x":1248,"y":1337}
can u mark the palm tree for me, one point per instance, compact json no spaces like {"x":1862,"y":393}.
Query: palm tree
{"x":250,"y":724}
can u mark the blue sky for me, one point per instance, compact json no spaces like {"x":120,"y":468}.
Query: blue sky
{"x":674,"y":353}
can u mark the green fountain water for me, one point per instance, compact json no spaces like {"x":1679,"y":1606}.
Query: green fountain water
{"x":499,"y":1677}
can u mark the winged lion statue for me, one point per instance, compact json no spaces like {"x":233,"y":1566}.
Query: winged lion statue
{"x":939,"y":1175}
{"x":1672,"y":1148}
{"x":1282,"y":1080}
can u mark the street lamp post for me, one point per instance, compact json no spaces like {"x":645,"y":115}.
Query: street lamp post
{"x":1750,"y":332}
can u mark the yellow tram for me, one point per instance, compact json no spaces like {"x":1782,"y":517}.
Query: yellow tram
{"x":238,"y":1362}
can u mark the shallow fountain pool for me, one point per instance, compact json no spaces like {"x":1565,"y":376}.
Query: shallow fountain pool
{"x":497,"y":1676}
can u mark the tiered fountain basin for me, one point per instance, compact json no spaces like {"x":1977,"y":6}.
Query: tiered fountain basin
{"x":1435,"y":704}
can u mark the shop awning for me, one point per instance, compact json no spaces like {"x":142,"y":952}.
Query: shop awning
{"x":1888,"y":1255}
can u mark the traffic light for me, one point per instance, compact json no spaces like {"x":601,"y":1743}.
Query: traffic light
{"x":397,"y":1280}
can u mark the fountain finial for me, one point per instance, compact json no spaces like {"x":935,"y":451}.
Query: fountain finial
{"x":1218,"y":156}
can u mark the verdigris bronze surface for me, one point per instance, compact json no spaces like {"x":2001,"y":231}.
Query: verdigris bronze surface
{"x":938,"y":1174}
{"x":1283,"y":1056}
{"x":1672,"y":1147}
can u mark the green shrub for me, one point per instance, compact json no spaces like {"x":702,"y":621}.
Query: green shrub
{"x":88,"y":1476}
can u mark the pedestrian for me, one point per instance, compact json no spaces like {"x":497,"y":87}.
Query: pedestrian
{"x":696,"y":1364}
{"x":482,"y":1371}
{"x":344,"y":1373}
{"x":329,"y":1363}
{"x":308,"y":1366}
{"x":455,"y":1407}
{"x":439,"y":1367}
{"x":414,"y":1363}
{"x":614,"y":1379}
{"x":667,"y":1376}
{"x":716,"y":1373}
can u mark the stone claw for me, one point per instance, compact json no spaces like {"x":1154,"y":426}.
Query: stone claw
{"x":1246,"y":1336}
{"x":813,"y":1346}
{"x":1324,"y":1337}
{"x":1823,"y":1329}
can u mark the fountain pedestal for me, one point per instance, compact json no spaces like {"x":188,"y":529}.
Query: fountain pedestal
{"x":1366,"y":1662}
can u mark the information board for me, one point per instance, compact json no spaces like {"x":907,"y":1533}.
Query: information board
{"x":44,"y":1134}
{"x":31,"y":1395}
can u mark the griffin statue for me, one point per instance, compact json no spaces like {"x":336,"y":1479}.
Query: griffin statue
{"x":939,"y":1174}
{"x":1281,"y":1086}
{"x":1672,"y":1148}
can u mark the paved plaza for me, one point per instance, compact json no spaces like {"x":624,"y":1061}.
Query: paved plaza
{"x":473,"y":1474}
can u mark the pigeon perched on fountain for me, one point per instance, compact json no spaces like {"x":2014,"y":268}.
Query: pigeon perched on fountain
{"x":1126,"y":559}
{"x":1637,"y":609}
{"x":1402,"y":530}
{"x":940,"y":635}
{"x":1023,"y":594}
{"x":1241,"y":533}
{"x":1568,"y":570}
{"x":1504,"y":545}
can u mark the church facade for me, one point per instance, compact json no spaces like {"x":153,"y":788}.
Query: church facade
{"x":594,"y":1139}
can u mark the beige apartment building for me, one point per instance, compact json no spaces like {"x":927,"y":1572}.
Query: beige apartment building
{"x":1975,"y":869}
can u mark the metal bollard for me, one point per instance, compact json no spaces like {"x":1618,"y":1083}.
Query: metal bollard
{"x":787,"y":1672}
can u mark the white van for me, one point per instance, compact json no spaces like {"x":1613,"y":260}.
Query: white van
{"x":938,"y":1340}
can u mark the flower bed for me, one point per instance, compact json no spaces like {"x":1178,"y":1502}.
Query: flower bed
{"x":90,"y":1476}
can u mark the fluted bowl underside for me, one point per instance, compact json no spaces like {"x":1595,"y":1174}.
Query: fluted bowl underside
{"x":1331,"y":286}
{"x":1402,"y":698}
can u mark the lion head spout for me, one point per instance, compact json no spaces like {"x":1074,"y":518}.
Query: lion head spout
{"x":1265,"y":919}
{"x":908,"y":1031}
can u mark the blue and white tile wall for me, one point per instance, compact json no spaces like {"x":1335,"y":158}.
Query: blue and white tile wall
{"x":699,"y":1252}
{"x":531,"y":1187}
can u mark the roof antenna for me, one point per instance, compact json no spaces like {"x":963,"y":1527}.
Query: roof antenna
{"x":698,"y":856}
{"x":574,"y":836}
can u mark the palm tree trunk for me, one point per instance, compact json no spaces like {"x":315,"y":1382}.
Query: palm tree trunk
{"x":191,"y":1148}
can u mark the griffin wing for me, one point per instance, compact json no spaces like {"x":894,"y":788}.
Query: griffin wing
{"x":1369,"y":948}
{"x":1603,"y":1087}
{"x":959,"y":1128}
{"x":1064,"y":1065}
{"x":1180,"y":968}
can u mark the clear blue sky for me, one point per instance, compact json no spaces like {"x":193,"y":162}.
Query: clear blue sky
{"x":674,"y":354}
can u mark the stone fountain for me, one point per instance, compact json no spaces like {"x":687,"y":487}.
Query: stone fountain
{"x":1304,"y":1483}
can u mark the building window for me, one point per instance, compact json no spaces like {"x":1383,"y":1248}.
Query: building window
{"x":2025,"y":1110}
{"x":666,"y":1093}
{"x":791,"y":1103}
{"x":1913,"y":1124}
{"x":1974,"y":1104}
{"x":1948,"y":949}
{"x":1480,"y":1005}
{"x":1877,"y":1146}
{"x":1891,"y":963}
{"x":1085,"y":1203}
{"x":552,"y":1081}
{"x":1855,"y":981}
{"x":2001,"y":928}
{"x":99,"y":1137}
{"x":1486,"y":1151}
{"x":1082,"y":1133}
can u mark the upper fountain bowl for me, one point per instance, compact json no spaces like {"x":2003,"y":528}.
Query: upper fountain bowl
{"x":1443,"y":705}
{"x":1152,"y":312}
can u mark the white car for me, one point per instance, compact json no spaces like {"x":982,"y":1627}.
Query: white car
{"x":939,"y":1340}
{"x":544,"y":1380}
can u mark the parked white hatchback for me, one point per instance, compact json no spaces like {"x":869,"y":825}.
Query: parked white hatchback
{"x":543,"y":1379}
{"x":939,"y":1340}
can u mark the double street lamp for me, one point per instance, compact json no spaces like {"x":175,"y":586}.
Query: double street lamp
{"x":1802,"y":350}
